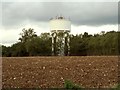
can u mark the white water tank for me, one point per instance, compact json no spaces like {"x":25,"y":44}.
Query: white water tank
{"x":60,"y":24}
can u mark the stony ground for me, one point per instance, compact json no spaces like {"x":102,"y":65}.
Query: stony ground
{"x":51,"y":72}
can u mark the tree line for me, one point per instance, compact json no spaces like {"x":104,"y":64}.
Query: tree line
{"x":80,"y":45}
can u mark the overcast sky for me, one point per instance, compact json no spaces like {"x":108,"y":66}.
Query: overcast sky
{"x":91,"y":17}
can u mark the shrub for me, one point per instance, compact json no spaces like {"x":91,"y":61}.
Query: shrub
{"x":70,"y":85}
{"x":117,"y":87}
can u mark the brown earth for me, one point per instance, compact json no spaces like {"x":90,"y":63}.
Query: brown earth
{"x":51,"y":72}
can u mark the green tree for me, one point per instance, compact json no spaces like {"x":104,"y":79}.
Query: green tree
{"x":78,"y":45}
{"x":0,"y":50}
{"x":27,"y":34}
{"x":39,"y":45}
{"x":6,"y":51}
{"x":18,"y":49}
{"x":30,"y":44}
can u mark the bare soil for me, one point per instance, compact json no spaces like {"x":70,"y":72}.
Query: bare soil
{"x":51,"y":72}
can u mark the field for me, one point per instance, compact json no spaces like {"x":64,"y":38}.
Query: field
{"x":51,"y":72}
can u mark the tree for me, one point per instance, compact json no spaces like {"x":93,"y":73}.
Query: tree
{"x":45,"y":36}
{"x":118,"y":42}
{"x":27,"y":34}
{"x":6,"y":51}
{"x":18,"y":49}
{"x":86,"y":44}
{"x":0,"y":50}
{"x":46,"y":44}
{"x":39,"y":45}
{"x":78,"y":46}
{"x":85,"y":35}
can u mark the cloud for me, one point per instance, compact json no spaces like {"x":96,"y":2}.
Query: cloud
{"x":81,"y":13}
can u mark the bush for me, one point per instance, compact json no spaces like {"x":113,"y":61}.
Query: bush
{"x":117,"y":87}
{"x":70,"y":85}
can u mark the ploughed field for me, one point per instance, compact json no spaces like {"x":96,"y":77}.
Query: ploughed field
{"x":51,"y":72}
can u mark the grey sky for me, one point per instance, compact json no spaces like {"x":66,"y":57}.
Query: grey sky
{"x":91,"y":17}
{"x":80,"y":13}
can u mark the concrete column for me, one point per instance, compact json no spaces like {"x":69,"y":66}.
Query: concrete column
{"x":68,"y":44}
{"x":63,"y":45}
{"x":53,"y":44}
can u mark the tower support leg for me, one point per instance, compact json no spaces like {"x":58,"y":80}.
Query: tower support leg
{"x":68,"y":45}
{"x":52,"y":45}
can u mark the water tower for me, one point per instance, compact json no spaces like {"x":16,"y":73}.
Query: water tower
{"x":60,"y":29}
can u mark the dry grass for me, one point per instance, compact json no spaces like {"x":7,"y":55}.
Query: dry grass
{"x":49,"y":72}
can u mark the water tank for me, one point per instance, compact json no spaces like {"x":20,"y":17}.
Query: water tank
{"x":60,"y":24}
